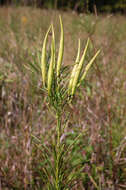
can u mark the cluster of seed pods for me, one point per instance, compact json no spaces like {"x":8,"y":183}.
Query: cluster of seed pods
{"x":77,"y":75}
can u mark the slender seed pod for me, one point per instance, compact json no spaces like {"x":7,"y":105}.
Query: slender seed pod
{"x":74,"y":69}
{"x":61,"y":48}
{"x":53,"y":38}
{"x":43,"y":58}
{"x":89,"y":65}
{"x":51,"y":66}
{"x":78,"y":70}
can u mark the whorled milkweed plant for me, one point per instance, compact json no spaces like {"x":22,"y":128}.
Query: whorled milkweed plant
{"x":61,"y":86}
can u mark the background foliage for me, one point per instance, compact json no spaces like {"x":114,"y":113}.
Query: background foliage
{"x":78,"y":5}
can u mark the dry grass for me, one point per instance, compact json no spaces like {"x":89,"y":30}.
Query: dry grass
{"x":100,"y":106}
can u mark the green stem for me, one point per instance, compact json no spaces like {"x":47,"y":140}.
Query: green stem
{"x":58,"y":129}
{"x":58,"y":117}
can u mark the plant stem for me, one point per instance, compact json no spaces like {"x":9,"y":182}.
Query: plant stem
{"x":58,"y":117}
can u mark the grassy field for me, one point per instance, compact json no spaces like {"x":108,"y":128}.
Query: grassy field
{"x":98,"y":111}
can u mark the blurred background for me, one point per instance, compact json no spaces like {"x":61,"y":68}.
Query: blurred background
{"x":76,"y":5}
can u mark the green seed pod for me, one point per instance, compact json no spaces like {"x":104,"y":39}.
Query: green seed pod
{"x":53,"y":38}
{"x":89,"y":65}
{"x":61,"y":48}
{"x":74,"y":69}
{"x":51,"y":66}
{"x":78,"y":70}
{"x":43,"y":58}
